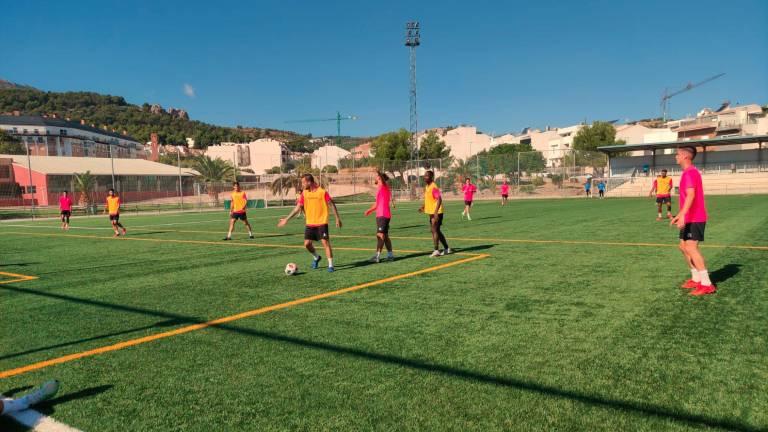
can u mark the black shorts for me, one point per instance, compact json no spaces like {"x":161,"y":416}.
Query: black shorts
{"x":439,"y":220}
{"x":66,"y":213}
{"x":242,"y":216}
{"x":662,"y":200}
{"x":505,"y":196}
{"x":693,"y":231}
{"x":600,"y":191}
{"x":382,"y":225}
{"x":114,"y":217}
{"x":468,"y":203}
{"x":316,"y":233}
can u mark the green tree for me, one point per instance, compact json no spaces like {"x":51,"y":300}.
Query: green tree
{"x":393,"y":145}
{"x":432,"y":147}
{"x":85,"y":185}
{"x":9,"y":144}
{"x":586,"y":142}
{"x":213,"y":172}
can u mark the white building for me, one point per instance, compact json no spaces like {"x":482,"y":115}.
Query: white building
{"x":258,"y":156}
{"x":53,"y":136}
{"x":328,"y":155}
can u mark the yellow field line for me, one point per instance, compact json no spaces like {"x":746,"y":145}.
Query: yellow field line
{"x":16,"y":278}
{"x":208,"y":242}
{"x":223,"y":320}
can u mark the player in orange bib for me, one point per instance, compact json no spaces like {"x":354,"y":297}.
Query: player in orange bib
{"x":315,"y":201}
{"x":113,"y":208}
{"x":237,"y":211}
{"x":663,"y":188}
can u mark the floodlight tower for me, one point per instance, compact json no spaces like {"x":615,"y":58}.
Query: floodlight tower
{"x":412,"y":40}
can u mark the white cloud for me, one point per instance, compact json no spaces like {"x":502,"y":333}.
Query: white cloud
{"x":189,"y":90}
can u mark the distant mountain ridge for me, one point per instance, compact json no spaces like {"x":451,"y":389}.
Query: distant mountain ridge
{"x":173,"y":125}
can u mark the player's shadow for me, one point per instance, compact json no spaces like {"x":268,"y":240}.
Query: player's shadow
{"x":724,"y":273}
{"x":676,"y":414}
{"x":10,"y":393}
{"x":48,"y":407}
{"x":18,"y":264}
{"x":161,"y":324}
{"x":488,"y":217}
{"x":365,"y":263}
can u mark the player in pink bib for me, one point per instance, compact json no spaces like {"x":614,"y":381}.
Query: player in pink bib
{"x":383,"y":217}
{"x":691,"y":220}
{"x":65,"y":207}
{"x":504,"y":193}
{"x":469,"y":192}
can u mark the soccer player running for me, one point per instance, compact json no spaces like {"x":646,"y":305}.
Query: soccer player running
{"x":65,"y":206}
{"x":504,"y":193}
{"x":237,"y":211}
{"x":113,"y":207}
{"x":663,"y":188}
{"x":383,"y":216}
{"x":469,"y":192}
{"x":314,"y":200}
{"x":42,"y":393}
{"x":433,"y":207}
{"x":691,"y":220}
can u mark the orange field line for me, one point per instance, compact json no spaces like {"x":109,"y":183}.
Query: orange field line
{"x":223,"y":320}
{"x":16,"y":278}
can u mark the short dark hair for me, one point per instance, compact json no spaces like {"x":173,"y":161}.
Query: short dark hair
{"x":430,"y":173}
{"x":691,"y":150}
{"x":310,"y":178}
{"x":383,"y":176}
{"x":467,"y":179}
{"x":235,"y":183}
{"x":663,"y":170}
{"x":111,"y":190}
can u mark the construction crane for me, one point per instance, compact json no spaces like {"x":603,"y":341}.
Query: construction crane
{"x":667,"y":96}
{"x":338,"y":119}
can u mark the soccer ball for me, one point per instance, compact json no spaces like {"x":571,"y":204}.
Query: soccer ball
{"x":291,"y":269}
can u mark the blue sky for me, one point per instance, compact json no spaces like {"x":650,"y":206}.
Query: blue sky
{"x":499,"y":65}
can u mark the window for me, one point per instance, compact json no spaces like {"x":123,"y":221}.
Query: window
{"x":5,"y":171}
{"x":63,"y":132}
{"x":29,"y":189}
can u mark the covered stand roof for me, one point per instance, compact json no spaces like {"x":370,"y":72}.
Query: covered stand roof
{"x":691,"y":143}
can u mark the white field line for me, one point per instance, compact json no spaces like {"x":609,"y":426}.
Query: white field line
{"x":39,"y":422}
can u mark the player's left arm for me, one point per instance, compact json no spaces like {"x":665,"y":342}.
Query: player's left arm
{"x":679,"y":220}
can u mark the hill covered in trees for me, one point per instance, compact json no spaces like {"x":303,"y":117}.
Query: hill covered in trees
{"x":173,"y":126}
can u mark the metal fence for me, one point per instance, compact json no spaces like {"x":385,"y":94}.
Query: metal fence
{"x":553,"y":174}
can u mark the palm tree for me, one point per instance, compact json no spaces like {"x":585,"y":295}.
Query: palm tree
{"x":213,"y":172}
{"x":85,"y":184}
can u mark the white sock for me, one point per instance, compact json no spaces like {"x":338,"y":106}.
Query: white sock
{"x":378,"y":254}
{"x":250,"y":233}
{"x":330,"y":262}
{"x":695,"y":275}
{"x":659,"y":214}
{"x":704,"y":276}
{"x":13,"y":405}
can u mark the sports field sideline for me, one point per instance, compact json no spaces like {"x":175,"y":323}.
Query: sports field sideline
{"x":551,"y":315}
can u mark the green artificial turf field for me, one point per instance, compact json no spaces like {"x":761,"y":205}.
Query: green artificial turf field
{"x":553,"y":315}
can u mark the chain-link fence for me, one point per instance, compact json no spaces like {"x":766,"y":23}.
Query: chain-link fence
{"x":32,"y":186}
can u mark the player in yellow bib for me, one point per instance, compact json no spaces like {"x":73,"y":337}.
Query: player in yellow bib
{"x":237,"y":211}
{"x":433,"y":207}
{"x":112,"y":207}
{"x":663,"y":188}
{"x":315,"y":201}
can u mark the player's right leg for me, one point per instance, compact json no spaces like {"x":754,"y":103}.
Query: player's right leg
{"x":44,"y":392}
{"x":231,"y":227}
{"x":693,"y":282}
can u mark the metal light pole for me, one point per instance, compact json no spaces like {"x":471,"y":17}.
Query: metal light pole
{"x":412,"y":40}
{"x":31,"y":187}
{"x":112,"y":162}
{"x":181,"y":190}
